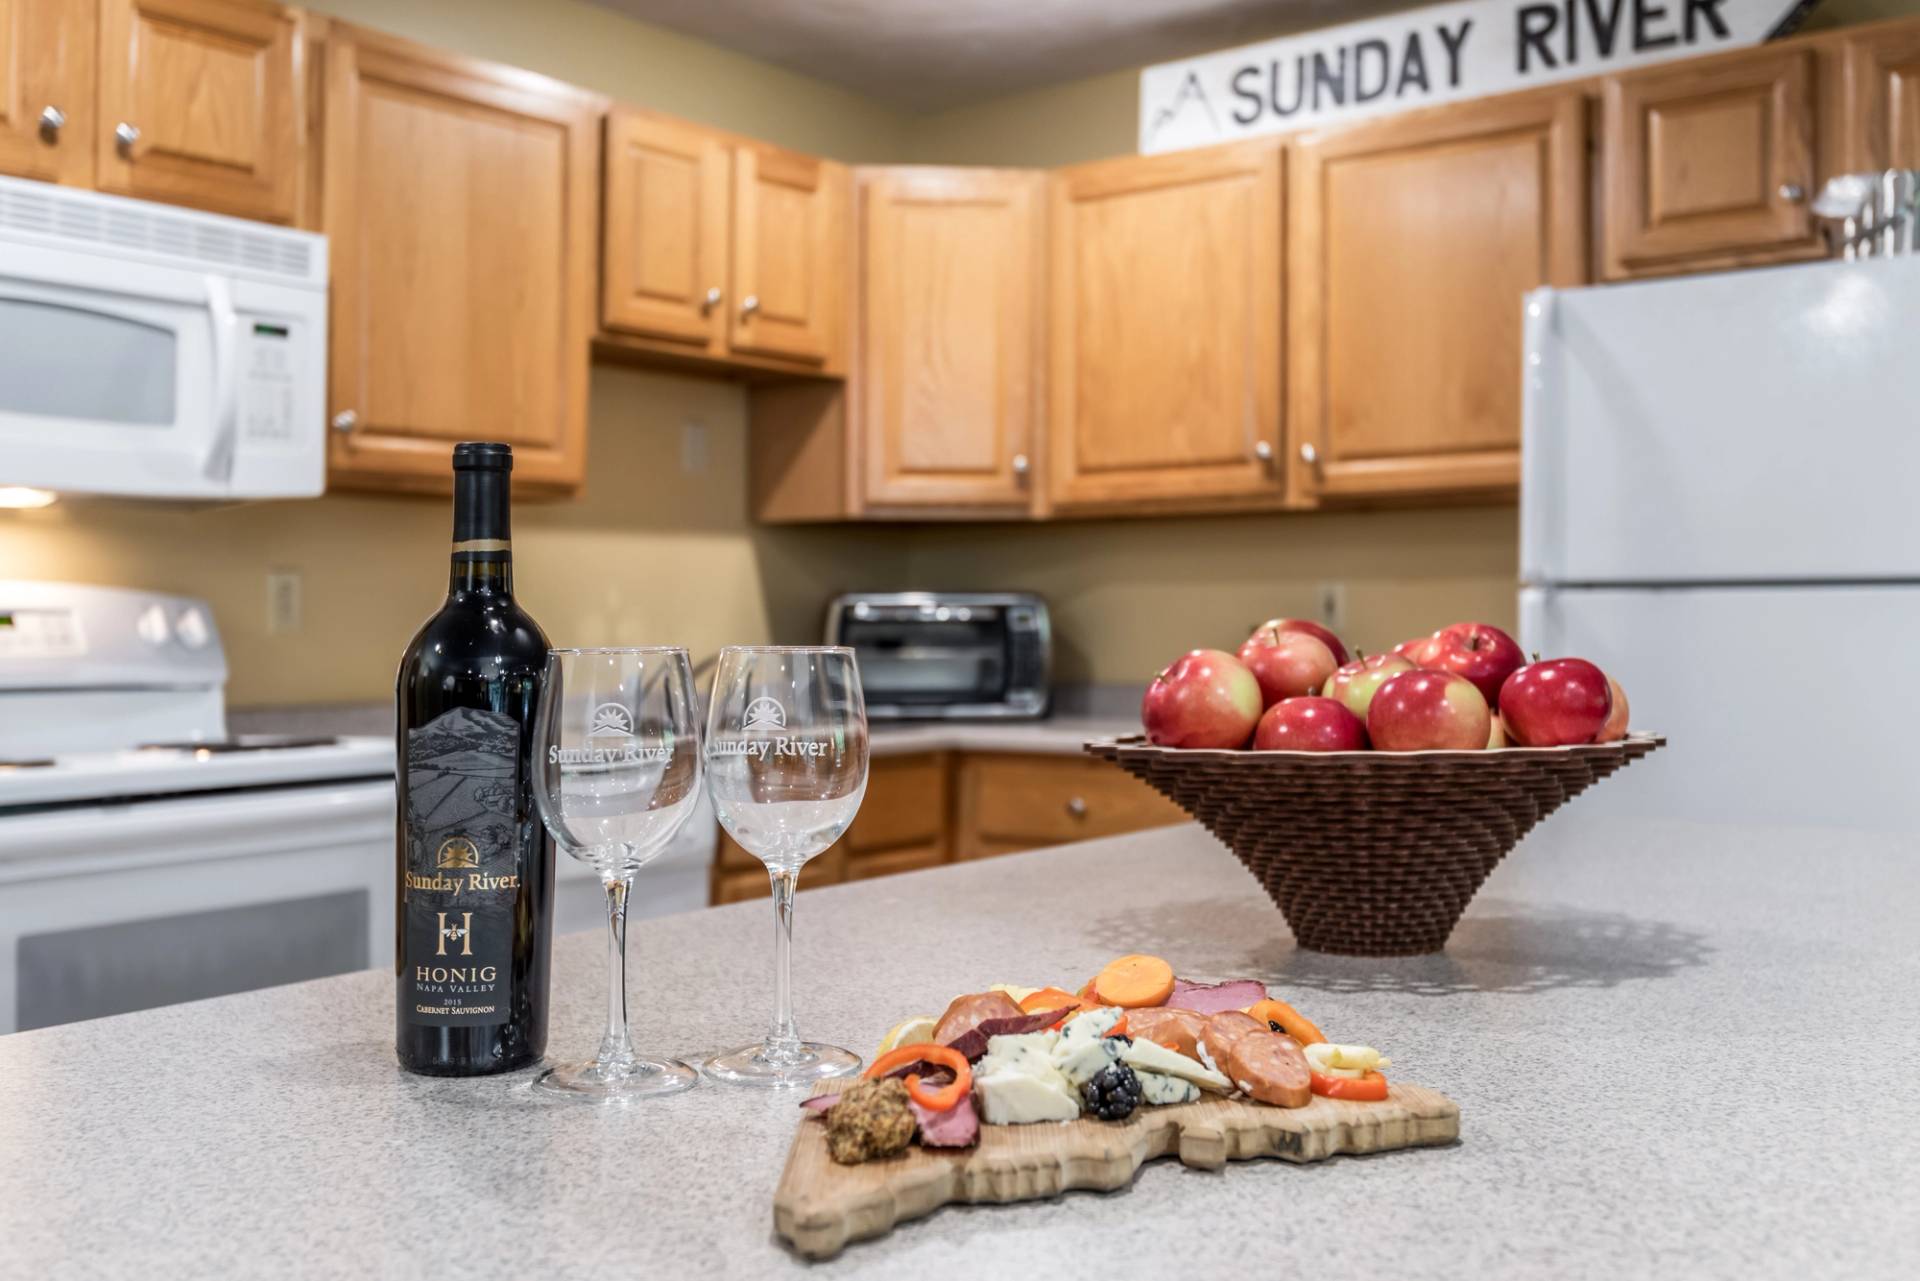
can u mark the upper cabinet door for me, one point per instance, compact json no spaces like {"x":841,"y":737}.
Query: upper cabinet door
{"x":202,"y":103}
{"x":46,"y":89}
{"x":664,"y":274}
{"x":949,"y":390}
{"x":460,"y":202}
{"x":789,"y":256}
{"x":1710,"y":163}
{"x":1165,"y":329}
{"x":1411,"y":244}
{"x":1882,"y":112}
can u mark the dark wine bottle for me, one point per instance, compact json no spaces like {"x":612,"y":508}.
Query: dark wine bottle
{"x":474,"y":865}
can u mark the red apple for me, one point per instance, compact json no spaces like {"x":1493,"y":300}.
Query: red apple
{"x":1480,"y":652}
{"x":1287,"y":664}
{"x":1354,"y":684}
{"x":1421,"y":651}
{"x":1616,"y":727}
{"x":1560,"y":701}
{"x":1422,"y":710}
{"x":1206,"y":698}
{"x":1311,"y":628}
{"x":1310,"y":725}
{"x":1497,"y":736}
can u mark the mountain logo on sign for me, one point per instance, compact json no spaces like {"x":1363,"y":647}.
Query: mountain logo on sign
{"x":611,"y":720}
{"x":764,"y":713}
{"x":1191,"y":90}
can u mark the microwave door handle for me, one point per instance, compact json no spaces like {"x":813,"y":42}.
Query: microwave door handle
{"x":218,"y":463}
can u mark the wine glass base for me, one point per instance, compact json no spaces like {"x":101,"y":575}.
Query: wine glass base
{"x":636,"y":1078}
{"x":757,"y":1065}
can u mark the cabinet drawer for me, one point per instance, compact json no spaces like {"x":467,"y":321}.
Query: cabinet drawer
{"x":1009,"y":803}
{"x":906,"y":804}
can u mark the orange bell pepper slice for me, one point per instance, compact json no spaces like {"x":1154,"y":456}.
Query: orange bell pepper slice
{"x":1371,"y":1088}
{"x":1291,"y":1021}
{"x":947,"y":1096}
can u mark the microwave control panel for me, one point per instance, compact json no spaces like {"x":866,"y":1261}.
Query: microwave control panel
{"x":268,"y":378}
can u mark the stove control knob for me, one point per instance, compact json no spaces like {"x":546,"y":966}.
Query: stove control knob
{"x":153,"y":627}
{"x":191,"y":628}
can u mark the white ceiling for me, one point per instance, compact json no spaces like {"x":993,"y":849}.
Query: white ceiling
{"x":927,"y":55}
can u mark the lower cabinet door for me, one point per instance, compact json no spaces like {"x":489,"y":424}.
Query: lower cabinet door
{"x":1007,"y":803}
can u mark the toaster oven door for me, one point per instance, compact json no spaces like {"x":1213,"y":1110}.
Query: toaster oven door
{"x":959,"y":662}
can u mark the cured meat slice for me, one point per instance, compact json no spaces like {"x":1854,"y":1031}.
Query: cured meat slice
{"x":1212,"y":998}
{"x":1269,"y":1068}
{"x":969,"y":1011}
{"x":1221,"y":1030}
{"x":1178,"y":1030}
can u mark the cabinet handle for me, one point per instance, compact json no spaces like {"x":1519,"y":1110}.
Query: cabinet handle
{"x":126,"y":135}
{"x":345,"y":421}
{"x":749,"y":305}
{"x":1792,"y":192}
{"x":1263,"y":450}
{"x":1077,"y":806}
{"x":711,"y":301}
{"x":52,"y":120}
{"x":1020,"y":465}
{"x":1309,"y":455}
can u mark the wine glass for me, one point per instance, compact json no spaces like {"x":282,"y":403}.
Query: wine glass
{"x":787,"y":768}
{"x":616,"y":773}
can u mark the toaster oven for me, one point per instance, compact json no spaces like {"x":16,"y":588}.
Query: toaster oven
{"x":947,"y":655}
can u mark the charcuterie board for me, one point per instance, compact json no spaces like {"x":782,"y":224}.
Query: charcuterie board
{"x":820,"y":1206}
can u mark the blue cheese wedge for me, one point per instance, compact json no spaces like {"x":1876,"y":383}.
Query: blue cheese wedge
{"x":1145,"y":1055}
{"x":1161,"y":1090}
{"x":1090,"y":1059}
{"x":1084,"y":1029}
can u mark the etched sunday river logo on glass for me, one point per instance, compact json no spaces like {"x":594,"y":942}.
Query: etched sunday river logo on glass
{"x":610,"y":733}
{"x":766,"y":716}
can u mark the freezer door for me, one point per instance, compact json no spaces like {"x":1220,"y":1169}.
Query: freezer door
{"x":1749,"y":426}
{"x":1774,"y":708}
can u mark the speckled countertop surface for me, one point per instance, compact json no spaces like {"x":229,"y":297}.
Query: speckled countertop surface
{"x":1679,"y":1051}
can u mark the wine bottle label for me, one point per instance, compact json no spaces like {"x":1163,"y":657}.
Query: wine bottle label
{"x":463,"y":873}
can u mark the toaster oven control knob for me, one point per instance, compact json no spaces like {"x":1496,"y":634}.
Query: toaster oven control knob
{"x":191,"y":628}
{"x":152,"y":626}
{"x":1077,"y":806}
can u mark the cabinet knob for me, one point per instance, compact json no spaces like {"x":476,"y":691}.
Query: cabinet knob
{"x":712,"y":300}
{"x":126,"y":135}
{"x":345,"y":421}
{"x":1309,"y":455}
{"x":1263,"y":450}
{"x":1021,"y":466}
{"x":1077,"y":806}
{"x":52,"y":119}
{"x":1792,"y":192}
{"x":749,"y":305}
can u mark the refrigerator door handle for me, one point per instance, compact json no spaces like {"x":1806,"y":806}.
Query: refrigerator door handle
{"x":1539,"y":471}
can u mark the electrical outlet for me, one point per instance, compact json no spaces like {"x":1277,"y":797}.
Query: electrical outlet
{"x":694,"y":451}
{"x":284,"y":588}
{"x":1330,"y":603}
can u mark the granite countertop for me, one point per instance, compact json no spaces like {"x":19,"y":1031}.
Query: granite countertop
{"x":1678,"y":1050}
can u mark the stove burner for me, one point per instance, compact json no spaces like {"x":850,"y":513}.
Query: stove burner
{"x":222,"y":746}
{"x":35,"y":764}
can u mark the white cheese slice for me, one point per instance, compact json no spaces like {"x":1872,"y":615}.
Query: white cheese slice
{"x":1158,"y":1058}
{"x":1158,"y":1089}
{"x":1091,"y":1059}
{"x":1009,"y":1096}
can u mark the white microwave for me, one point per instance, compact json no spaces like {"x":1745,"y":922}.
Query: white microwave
{"x":158,"y":352}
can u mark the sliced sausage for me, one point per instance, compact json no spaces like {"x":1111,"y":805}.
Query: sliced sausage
{"x":969,"y":1012}
{"x":1221,"y":1030}
{"x":1178,"y":1030}
{"x":1270,"y":1068}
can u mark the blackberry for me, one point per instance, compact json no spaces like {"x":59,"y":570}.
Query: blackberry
{"x":1113,"y":1093}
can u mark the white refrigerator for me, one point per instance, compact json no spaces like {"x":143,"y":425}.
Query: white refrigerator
{"x":1720,"y":504}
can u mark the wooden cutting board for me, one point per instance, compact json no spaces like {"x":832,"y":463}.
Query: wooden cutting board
{"x":820,"y":1206}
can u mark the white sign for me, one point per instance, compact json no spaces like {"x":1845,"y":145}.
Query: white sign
{"x":1442,"y":53}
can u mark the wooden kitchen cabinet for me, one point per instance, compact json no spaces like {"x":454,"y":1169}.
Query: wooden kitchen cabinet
{"x":203,"y":103}
{"x":721,"y":250}
{"x":949,"y":392}
{"x":1411,"y":243}
{"x":47,"y":89}
{"x":1710,"y":162}
{"x":459,"y":203}
{"x":1012,"y":802}
{"x":1165,"y":330}
{"x":1882,"y":100}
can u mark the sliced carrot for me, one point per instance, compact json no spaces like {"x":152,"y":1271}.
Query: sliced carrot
{"x":1284,"y":1018}
{"x":1048,"y":998}
{"x":1135,"y":982}
{"x":1119,"y":1028}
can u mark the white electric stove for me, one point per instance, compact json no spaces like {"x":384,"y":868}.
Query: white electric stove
{"x":145,"y":856}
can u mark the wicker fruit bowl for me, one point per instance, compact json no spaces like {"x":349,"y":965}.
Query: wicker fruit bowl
{"x":1372,"y":853}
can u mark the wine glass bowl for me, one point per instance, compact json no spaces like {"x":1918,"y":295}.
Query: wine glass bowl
{"x":617,"y":772}
{"x":786,"y":764}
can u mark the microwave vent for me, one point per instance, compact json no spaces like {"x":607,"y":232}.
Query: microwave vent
{"x":186,"y":238}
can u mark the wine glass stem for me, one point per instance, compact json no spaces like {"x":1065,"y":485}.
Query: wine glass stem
{"x":617,"y":1046}
{"x":783,"y":1040}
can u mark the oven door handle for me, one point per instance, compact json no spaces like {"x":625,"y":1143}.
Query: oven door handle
{"x":217,"y":465}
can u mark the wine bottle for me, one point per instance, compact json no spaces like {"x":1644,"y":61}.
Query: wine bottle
{"x":474,"y":874}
